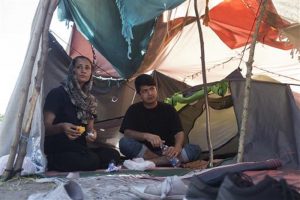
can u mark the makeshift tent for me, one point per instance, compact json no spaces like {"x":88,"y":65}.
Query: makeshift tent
{"x":137,"y":42}
{"x":114,"y":99}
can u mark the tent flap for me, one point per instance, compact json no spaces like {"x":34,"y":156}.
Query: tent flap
{"x":273,"y":123}
{"x":139,"y":12}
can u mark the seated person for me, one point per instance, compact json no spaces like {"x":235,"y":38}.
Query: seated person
{"x":67,"y":107}
{"x":149,"y":124}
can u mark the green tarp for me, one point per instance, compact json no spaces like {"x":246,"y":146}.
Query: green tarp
{"x":120,"y":30}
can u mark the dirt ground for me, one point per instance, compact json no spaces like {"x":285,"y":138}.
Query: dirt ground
{"x":22,"y":188}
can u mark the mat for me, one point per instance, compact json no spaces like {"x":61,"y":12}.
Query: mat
{"x":157,"y":172}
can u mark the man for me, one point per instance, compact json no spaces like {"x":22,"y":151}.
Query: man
{"x":149,"y":124}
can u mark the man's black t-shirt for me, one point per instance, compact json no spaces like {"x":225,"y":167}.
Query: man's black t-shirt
{"x":162,"y":120}
{"x":59,"y":103}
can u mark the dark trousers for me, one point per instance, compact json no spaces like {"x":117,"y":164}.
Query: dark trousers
{"x":82,"y":159}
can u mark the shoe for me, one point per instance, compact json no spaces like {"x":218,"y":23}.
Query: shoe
{"x":199,"y":190}
{"x":239,"y":187}
{"x":139,"y":164}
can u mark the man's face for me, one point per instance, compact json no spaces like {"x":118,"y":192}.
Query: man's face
{"x":148,"y":94}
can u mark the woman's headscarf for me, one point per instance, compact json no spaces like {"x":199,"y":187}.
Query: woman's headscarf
{"x":84,"y":101}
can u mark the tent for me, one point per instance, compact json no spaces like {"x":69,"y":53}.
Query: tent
{"x":142,"y":36}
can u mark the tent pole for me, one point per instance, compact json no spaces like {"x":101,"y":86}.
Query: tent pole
{"x":248,"y":84}
{"x":24,"y":87}
{"x":134,"y":95}
{"x":36,"y":92}
{"x":208,"y":133}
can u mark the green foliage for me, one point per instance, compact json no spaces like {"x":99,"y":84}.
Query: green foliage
{"x":1,"y":117}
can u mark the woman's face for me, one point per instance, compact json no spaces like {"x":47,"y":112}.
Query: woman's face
{"x":83,"y":71}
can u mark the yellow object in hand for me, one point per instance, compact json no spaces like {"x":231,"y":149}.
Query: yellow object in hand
{"x":80,"y":129}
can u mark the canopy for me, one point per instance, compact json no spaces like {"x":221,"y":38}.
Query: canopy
{"x":170,"y":43}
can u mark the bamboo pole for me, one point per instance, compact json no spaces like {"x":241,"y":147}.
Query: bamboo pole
{"x":23,"y":95}
{"x":248,"y":85}
{"x":36,"y":92}
{"x":208,"y":133}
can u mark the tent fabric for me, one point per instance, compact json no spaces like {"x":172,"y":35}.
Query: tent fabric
{"x":215,"y":176}
{"x":234,"y":27}
{"x":166,"y":30}
{"x":14,"y":110}
{"x":292,"y":32}
{"x":167,"y":86}
{"x":223,"y":127}
{"x":289,"y":10}
{"x":163,"y":34}
{"x":100,"y":22}
{"x":273,"y":122}
{"x":178,"y":56}
{"x":138,"y":12}
{"x":223,"y":122}
{"x":80,"y":46}
{"x":220,"y":59}
{"x":180,"y":59}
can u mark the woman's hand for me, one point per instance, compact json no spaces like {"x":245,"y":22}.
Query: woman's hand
{"x":91,"y":136}
{"x":70,"y":130}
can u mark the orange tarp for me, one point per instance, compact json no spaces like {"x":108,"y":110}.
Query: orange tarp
{"x":234,"y":20}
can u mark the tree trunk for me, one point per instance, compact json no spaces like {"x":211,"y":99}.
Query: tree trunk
{"x":248,"y":85}
{"x":24,"y":88}
{"x":208,"y":134}
{"x":36,"y":92}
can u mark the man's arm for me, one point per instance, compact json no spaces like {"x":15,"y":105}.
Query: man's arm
{"x":179,"y":139}
{"x":155,"y":140}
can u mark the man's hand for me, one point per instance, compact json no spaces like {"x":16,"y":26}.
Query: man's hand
{"x":70,"y":130}
{"x":172,"y":152}
{"x":155,"y":140}
{"x":91,"y":136}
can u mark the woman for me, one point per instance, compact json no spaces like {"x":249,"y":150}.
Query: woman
{"x":66,"y":108}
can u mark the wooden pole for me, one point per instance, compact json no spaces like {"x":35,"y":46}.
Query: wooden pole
{"x":248,"y":85}
{"x":208,"y":134}
{"x":36,"y":92}
{"x":28,"y":64}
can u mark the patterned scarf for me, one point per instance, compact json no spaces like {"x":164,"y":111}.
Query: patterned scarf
{"x":84,"y":101}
